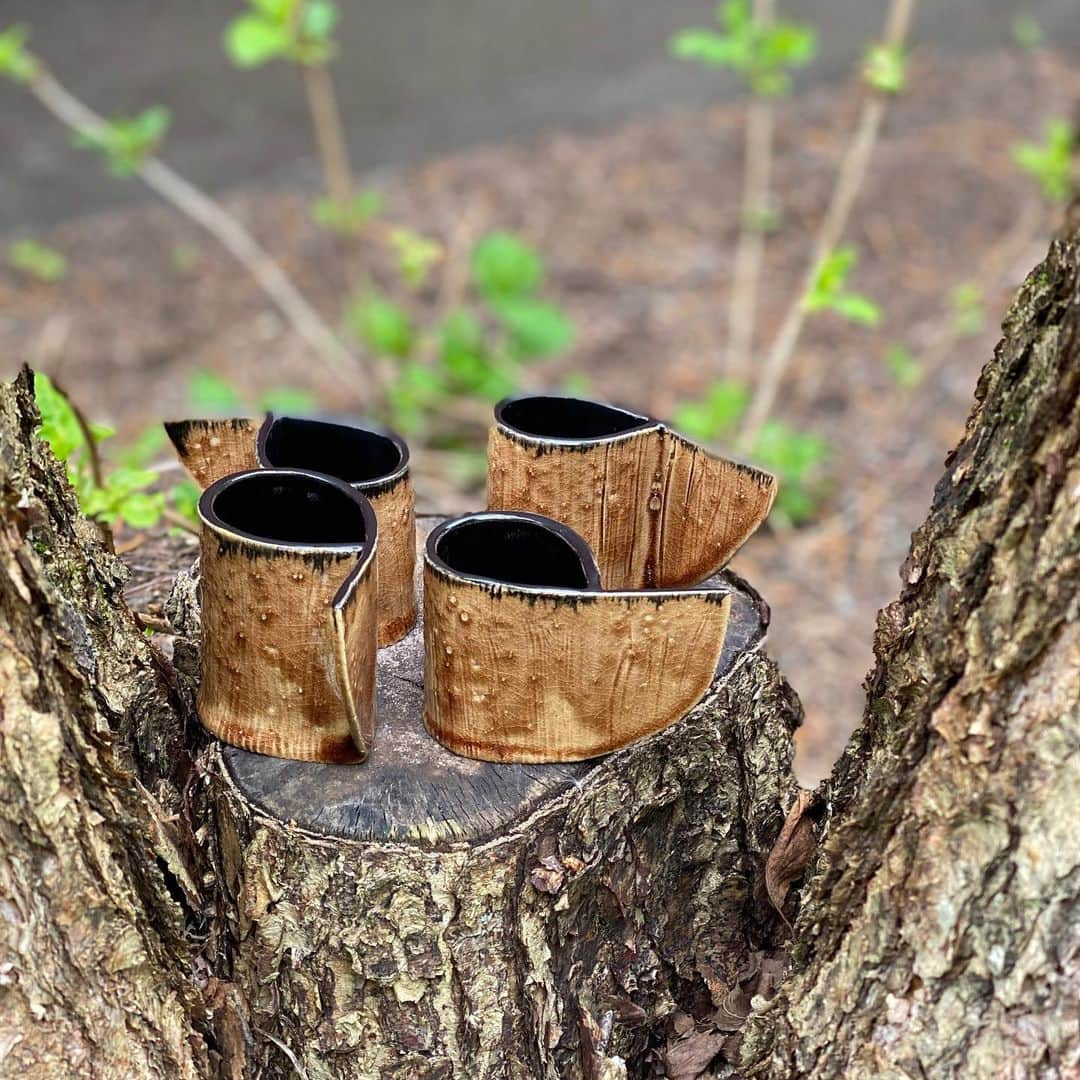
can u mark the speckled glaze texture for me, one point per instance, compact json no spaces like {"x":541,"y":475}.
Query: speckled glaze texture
{"x":657,"y":510}
{"x":211,"y":449}
{"x":289,"y":645}
{"x":516,"y":674}
{"x":394,"y":507}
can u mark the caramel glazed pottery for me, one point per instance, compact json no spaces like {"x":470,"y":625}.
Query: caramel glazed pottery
{"x":657,"y":510}
{"x":288,"y":615}
{"x":528,"y":660}
{"x":373,"y":460}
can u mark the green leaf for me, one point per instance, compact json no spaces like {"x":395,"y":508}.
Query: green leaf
{"x":796,"y":457}
{"x":828,"y":293}
{"x":348,"y":219}
{"x":577,"y":384}
{"x":716,"y":413}
{"x":1026,"y":32}
{"x":535,"y":327}
{"x":38,"y":260}
{"x":279,"y":11}
{"x":761,"y":52}
{"x":968,"y":312}
{"x":286,"y":401}
{"x":124,"y":480}
{"x":705,"y":47}
{"x":414,"y":391}
{"x":251,"y":40}
{"x":127,"y":141}
{"x":211,"y":393}
{"x":382,"y":325}
{"x":857,"y":308}
{"x":503,"y":265}
{"x":60,"y":426}
{"x":145,"y":448}
{"x":832,"y":273}
{"x":15,"y":61}
{"x":141,"y":510}
{"x":885,"y":68}
{"x":185,"y":499}
{"x":903,"y":367}
{"x":416,"y":255}
{"x":1051,"y":161}
{"x":320,"y":18}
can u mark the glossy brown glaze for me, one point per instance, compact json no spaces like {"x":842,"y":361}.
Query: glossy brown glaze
{"x":289,"y":644}
{"x":396,"y":559}
{"x":657,"y":510}
{"x":517,"y":673}
{"x":210,"y":449}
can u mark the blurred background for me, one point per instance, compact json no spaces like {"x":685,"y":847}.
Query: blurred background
{"x":793,"y":230}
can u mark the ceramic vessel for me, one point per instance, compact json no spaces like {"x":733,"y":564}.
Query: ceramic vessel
{"x":527,"y":660}
{"x":657,"y":510}
{"x":289,"y":623}
{"x":374,"y":461}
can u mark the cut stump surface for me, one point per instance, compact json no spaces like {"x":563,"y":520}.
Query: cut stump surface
{"x":412,"y":789}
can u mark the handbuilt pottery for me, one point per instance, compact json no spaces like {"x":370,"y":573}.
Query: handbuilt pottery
{"x":528,"y":661}
{"x":288,"y":615}
{"x":374,"y":461}
{"x":657,"y":510}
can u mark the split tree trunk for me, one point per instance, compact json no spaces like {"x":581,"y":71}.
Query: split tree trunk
{"x":161,"y":919}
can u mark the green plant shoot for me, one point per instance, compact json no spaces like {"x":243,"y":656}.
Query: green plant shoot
{"x":968,"y":311}
{"x":296,"y":30}
{"x":1050,"y":162}
{"x":126,"y":142}
{"x":717,"y":413}
{"x":37,"y":260}
{"x":347,"y":219}
{"x":762,"y":54}
{"x":829,"y":290}
{"x":885,"y":68}
{"x":904,"y":368}
{"x":123,"y":494}
{"x":16,"y":61}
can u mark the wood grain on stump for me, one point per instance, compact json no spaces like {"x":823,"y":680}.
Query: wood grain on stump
{"x":411,"y":788}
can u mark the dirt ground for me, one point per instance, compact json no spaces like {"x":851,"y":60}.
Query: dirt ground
{"x":638,"y":225}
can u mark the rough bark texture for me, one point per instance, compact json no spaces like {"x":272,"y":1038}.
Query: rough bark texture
{"x":601,"y":913}
{"x":158,"y":923}
{"x":940,"y":932}
{"x":101,"y":891}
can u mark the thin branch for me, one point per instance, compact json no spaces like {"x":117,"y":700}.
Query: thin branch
{"x":192,"y":202}
{"x":849,"y":180}
{"x":93,"y":456}
{"x":329,"y":132}
{"x":757,"y":168}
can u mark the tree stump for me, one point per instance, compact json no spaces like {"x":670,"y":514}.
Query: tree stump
{"x":426,"y":915}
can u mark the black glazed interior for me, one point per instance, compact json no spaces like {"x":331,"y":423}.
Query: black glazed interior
{"x":355,"y":455}
{"x":516,"y":550}
{"x":567,"y":418}
{"x":288,"y":508}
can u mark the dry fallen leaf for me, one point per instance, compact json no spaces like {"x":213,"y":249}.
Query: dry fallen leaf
{"x":792,"y":851}
{"x":688,"y":1058}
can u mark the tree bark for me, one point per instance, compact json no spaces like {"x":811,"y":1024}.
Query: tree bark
{"x":939,"y":932}
{"x":164,"y":917}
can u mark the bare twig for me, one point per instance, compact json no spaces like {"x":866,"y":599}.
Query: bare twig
{"x":757,"y":167}
{"x":329,"y":132}
{"x":849,"y":180}
{"x":192,"y":202}
{"x":181,"y":522}
{"x":92,"y":454}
